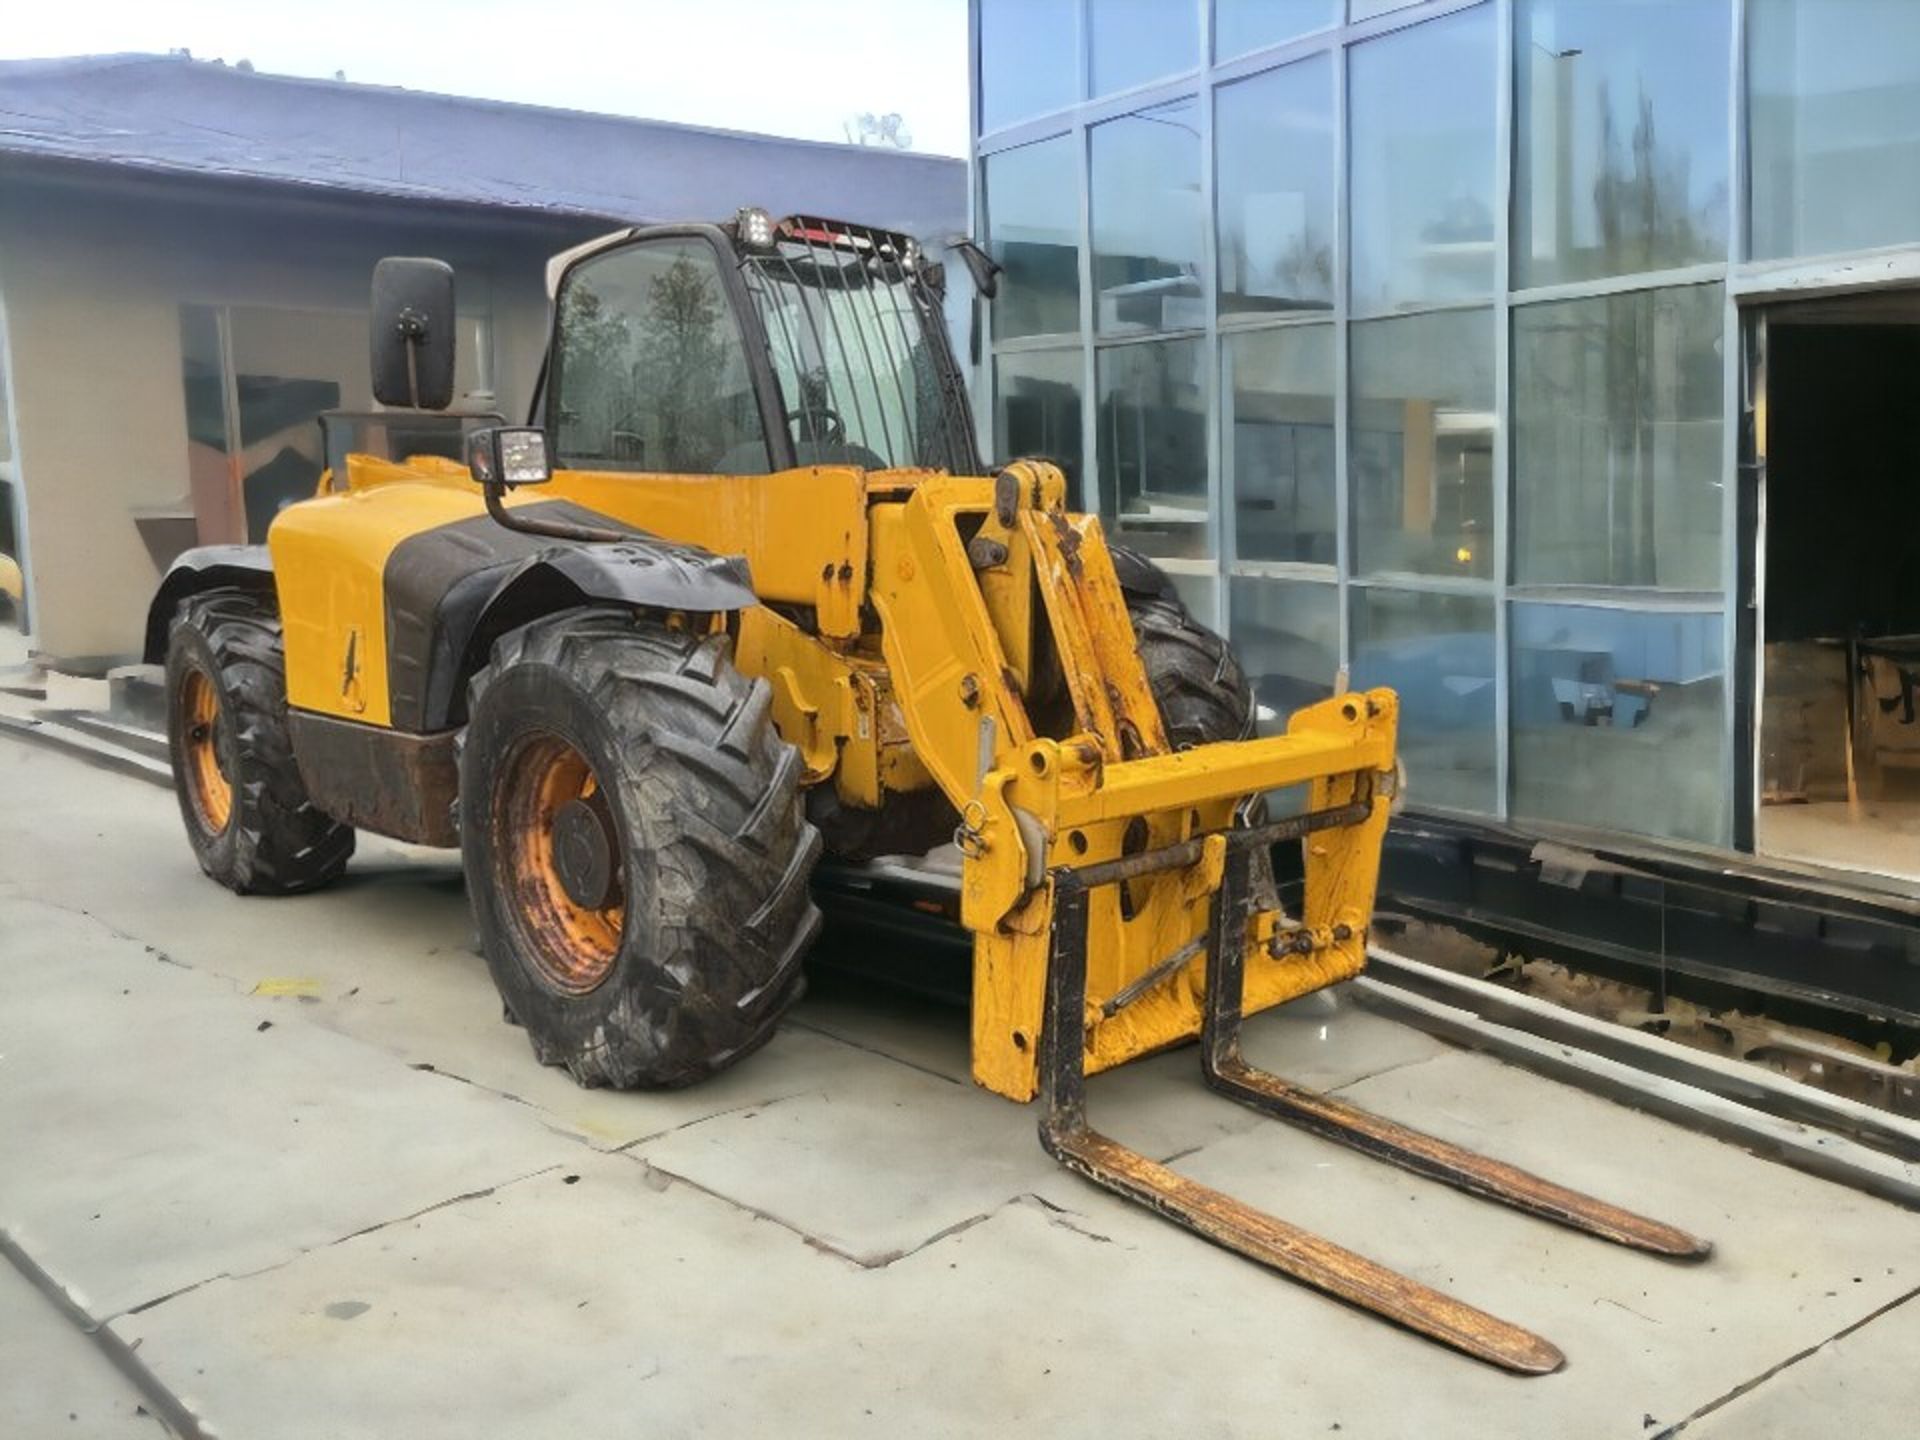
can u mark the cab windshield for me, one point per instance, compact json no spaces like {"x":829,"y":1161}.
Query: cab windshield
{"x":853,"y":333}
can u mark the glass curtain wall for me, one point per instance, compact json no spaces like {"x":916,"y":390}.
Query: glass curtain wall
{"x":1401,"y":332}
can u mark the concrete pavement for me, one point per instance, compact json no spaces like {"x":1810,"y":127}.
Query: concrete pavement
{"x":288,"y":1159}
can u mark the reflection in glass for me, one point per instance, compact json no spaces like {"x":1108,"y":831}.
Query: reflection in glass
{"x":1153,"y":447}
{"x":1420,"y":451}
{"x":1367,"y":9}
{"x":13,"y":597}
{"x":1617,"y":720}
{"x":1287,"y":635}
{"x":650,"y":373}
{"x":1029,"y":59}
{"x":1617,"y":440}
{"x":1033,"y":209}
{"x":288,"y":367}
{"x":1436,"y":651}
{"x":1147,"y":221}
{"x":1274,"y":136}
{"x":1243,"y":25}
{"x":1279,"y":441}
{"x":1036,"y":410}
{"x":213,"y":442}
{"x":1135,"y":41}
{"x":1621,"y":137}
{"x":1422,"y":162}
{"x":1834,"y":116}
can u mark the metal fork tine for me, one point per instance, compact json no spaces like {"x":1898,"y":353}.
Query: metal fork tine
{"x":1227,"y":1072}
{"x":1214,"y":1216}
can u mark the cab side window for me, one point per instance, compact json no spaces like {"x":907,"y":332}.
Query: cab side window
{"x":649,"y":372}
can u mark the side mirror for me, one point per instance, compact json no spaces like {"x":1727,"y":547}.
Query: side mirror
{"x":984,"y":269}
{"x":412,"y":331}
{"x":502,"y":457}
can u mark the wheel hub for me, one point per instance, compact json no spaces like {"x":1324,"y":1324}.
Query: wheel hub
{"x":208,"y":784}
{"x":583,"y":854}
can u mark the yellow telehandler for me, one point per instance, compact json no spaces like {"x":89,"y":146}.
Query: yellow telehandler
{"x":765,"y":600}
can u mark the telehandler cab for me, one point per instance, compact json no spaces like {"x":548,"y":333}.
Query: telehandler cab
{"x":772,"y":601}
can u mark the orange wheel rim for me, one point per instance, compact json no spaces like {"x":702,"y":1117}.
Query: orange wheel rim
{"x":562,"y":862}
{"x":208,"y":785}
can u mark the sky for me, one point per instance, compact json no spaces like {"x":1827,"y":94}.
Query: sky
{"x":784,"y":68}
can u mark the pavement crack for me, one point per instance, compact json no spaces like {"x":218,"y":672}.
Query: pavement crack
{"x":812,"y":1241}
{"x":427,"y":1067}
{"x":451,"y":1200}
{"x":1346,"y":1085}
{"x":81,"y":912}
{"x":145,"y":1305}
{"x":674,"y":1129}
{"x":169,"y":1409}
{"x":1746,"y":1386}
{"x":853,"y":1044}
{"x":673,"y":1177}
{"x":305,"y":1250}
{"x":1063,"y":1217}
{"x":1638,"y":1315}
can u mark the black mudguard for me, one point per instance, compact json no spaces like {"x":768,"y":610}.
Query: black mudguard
{"x":205,"y":567}
{"x":452,"y":591}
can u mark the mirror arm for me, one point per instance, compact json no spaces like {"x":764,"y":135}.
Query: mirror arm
{"x":413,"y":330}
{"x":553,"y":529}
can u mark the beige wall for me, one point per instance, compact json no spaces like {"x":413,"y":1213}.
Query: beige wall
{"x":93,"y":272}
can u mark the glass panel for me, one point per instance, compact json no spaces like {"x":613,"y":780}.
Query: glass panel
{"x":1287,"y":635}
{"x":1617,"y":720}
{"x":650,"y":373}
{"x":1420,"y":452}
{"x":1621,"y":137}
{"x":1279,"y":441}
{"x":860,"y":382}
{"x":1834,"y":114}
{"x":1274,"y":135}
{"x":1367,"y":9}
{"x":1616,"y":454}
{"x":1135,"y":41}
{"x":1422,"y":166}
{"x":288,"y":366}
{"x":13,"y":597}
{"x":1033,"y":209}
{"x":1029,"y":59}
{"x":1036,"y":410}
{"x":1153,"y":447}
{"x":1243,"y":25}
{"x":1199,"y":591}
{"x":1436,"y":651}
{"x":1146,"y":220}
{"x":213,"y":482}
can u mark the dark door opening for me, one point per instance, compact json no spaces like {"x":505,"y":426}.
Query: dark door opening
{"x":1839,"y":744}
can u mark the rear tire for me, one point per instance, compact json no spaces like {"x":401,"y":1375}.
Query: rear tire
{"x":248,"y":817}
{"x":636,"y":850}
{"x":1202,"y":692}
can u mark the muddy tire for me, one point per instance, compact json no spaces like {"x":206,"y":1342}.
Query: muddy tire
{"x":248,"y":817}
{"x":1202,"y":692}
{"x":636,"y":849}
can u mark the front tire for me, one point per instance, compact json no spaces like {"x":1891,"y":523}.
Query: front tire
{"x":248,"y":816}
{"x":636,"y":850}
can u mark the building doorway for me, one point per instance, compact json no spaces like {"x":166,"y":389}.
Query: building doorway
{"x":1839,"y":742}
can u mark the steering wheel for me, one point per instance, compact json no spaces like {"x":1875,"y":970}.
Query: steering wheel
{"x":818,"y":424}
